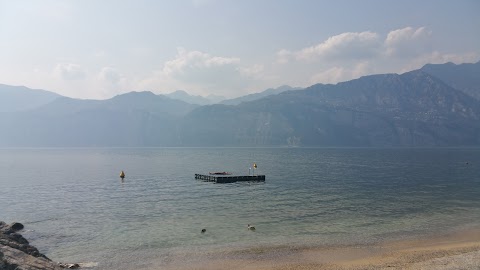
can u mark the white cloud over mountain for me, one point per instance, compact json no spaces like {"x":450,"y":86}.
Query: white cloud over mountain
{"x":346,"y":45}
{"x":201,"y":73}
{"x":353,"y":54}
{"x":110,"y":80}
{"x":191,"y":62}
{"x":408,"y":42}
{"x":69,"y":71}
{"x":339,"y":73}
{"x":110,"y":75}
{"x":338,"y":58}
{"x":97,"y":49}
{"x":363,"y":45}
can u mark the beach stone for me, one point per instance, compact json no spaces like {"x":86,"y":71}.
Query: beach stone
{"x":16,"y":259}
{"x":17,"y":254}
{"x":18,"y":238}
{"x":14,"y":227}
{"x":17,"y":241}
{"x":69,"y":265}
{"x":3,"y":227}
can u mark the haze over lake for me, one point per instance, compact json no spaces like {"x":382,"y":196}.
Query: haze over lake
{"x":76,"y":208}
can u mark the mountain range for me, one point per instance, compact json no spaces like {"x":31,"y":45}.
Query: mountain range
{"x":464,"y":77}
{"x":21,"y":98}
{"x":255,"y":96}
{"x":198,"y":100}
{"x":436,"y":105}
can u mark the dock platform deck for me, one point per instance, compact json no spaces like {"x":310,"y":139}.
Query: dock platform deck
{"x":230,"y":178}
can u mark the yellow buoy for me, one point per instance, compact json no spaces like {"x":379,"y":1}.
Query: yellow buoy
{"x":122,"y":175}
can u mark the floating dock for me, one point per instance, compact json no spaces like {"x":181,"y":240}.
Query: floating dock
{"x":230,"y":178}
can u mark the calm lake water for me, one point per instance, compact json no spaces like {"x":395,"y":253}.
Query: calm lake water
{"x":76,"y":209}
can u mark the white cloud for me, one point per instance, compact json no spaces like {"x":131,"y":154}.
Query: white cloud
{"x":202,"y":73}
{"x":331,"y":75}
{"x":283,"y":56}
{"x":69,"y":72}
{"x":338,"y":58}
{"x":361,"y":69}
{"x":341,"y":73}
{"x":408,"y":42}
{"x":111,"y":82}
{"x":110,"y":75}
{"x":255,"y":71}
{"x":344,"y":46}
{"x":359,"y":46}
{"x":353,"y":54}
{"x":191,"y":61}
{"x":200,"y":68}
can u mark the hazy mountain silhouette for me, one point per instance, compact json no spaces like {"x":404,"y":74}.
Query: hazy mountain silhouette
{"x":21,"y":98}
{"x":199,"y":100}
{"x":133,"y":119}
{"x":255,"y":96}
{"x":464,"y":77}
{"x":411,"y":109}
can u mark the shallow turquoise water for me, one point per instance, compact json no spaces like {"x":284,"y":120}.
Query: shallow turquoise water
{"x":76,"y":209}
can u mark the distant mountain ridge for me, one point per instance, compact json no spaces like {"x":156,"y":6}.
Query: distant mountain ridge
{"x":198,"y":100}
{"x":21,"y":98}
{"x":132,"y":119}
{"x":414,"y":109}
{"x":212,"y":99}
{"x":464,"y":77}
{"x":255,"y":96}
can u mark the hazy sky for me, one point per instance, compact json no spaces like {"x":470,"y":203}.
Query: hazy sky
{"x":98,"y":49}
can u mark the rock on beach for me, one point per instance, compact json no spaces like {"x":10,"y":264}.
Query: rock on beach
{"x":16,"y":253}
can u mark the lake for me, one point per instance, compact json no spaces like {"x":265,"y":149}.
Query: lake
{"x":76,"y":208}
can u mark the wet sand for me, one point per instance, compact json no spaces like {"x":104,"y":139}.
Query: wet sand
{"x":460,"y":250}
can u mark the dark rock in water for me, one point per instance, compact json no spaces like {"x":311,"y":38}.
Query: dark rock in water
{"x":17,"y":241}
{"x":16,"y":226}
{"x":18,"y":238}
{"x":17,"y":254}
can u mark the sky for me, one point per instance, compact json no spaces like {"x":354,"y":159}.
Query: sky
{"x":98,"y":49}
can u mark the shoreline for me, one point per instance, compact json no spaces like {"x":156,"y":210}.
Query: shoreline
{"x":458,"y":250}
